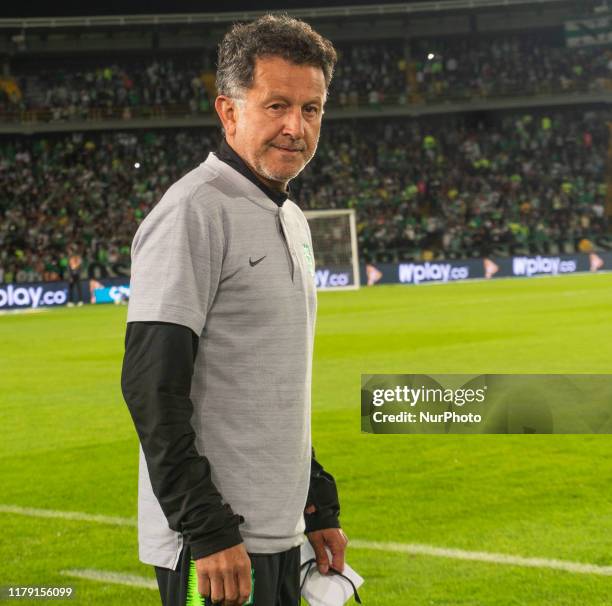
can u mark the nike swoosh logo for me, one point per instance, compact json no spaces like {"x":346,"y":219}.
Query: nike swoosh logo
{"x":254,"y":263}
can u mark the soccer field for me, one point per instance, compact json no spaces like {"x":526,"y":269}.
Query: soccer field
{"x":433,"y":519}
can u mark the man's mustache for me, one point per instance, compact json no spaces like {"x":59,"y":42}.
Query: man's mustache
{"x":289,"y":147}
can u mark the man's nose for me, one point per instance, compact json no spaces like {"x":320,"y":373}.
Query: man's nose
{"x":294,"y":123}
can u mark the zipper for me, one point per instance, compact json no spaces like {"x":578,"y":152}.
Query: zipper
{"x":281,"y":230}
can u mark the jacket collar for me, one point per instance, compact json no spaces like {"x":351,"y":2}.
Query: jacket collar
{"x":227,"y":154}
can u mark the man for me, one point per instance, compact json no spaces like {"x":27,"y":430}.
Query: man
{"x":74,"y":277}
{"x":218,"y":359}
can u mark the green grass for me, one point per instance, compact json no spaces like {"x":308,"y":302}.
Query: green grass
{"x":68,"y":444}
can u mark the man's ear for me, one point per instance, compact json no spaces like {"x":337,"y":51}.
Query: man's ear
{"x":227,"y":110}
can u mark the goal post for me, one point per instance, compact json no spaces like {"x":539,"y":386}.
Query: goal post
{"x":334,"y":240}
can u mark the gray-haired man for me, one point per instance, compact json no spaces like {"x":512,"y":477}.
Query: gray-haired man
{"x":218,"y":359}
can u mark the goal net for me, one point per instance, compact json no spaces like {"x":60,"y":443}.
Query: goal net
{"x":334,"y":239}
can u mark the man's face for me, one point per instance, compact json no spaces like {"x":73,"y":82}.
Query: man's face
{"x":276,"y":127}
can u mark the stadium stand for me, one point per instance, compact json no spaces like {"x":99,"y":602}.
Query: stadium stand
{"x":134,"y":88}
{"x":368,"y":75}
{"x":524,"y":176}
{"x":535,"y":63}
{"x":448,"y":187}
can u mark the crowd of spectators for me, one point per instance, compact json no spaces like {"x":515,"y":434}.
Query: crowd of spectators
{"x":88,"y":191}
{"x":437,"y":188}
{"x":372,"y":75}
{"x":522,"y":183}
{"x":465,"y":68}
{"x":132,"y":89}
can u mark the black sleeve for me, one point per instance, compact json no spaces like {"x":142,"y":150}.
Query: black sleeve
{"x":156,"y":385}
{"x":323,"y":494}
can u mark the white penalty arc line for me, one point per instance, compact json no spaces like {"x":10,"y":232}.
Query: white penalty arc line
{"x":408,"y":548}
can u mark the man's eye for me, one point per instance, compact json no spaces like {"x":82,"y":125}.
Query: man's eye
{"x":276,"y":106}
{"x":311,"y":109}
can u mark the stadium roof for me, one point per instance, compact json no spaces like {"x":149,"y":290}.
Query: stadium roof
{"x":55,"y":17}
{"x":65,"y":8}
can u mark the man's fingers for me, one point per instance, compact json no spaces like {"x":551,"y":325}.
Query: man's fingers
{"x":204,"y":585}
{"x":321,"y":556}
{"x":219,"y":575}
{"x":216,"y":589}
{"x":337,"y":549}
{"x":230,"y":589}
{"x":244,"y":585}
{"x":343,"y":535}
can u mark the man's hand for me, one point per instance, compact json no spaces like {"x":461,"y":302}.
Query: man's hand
{"x":336,"y":540}
{"x":225,"y":576}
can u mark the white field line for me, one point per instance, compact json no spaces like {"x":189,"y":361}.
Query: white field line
{"x":483,"y":556}
{"x":67,"y":515}
{"x":116,"y":578}
{"x":409,"y":548}
{"x":28,"y":310}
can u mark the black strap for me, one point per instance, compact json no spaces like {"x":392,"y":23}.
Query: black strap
{"x":308,"y":563}
{"x":332,"y":570}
